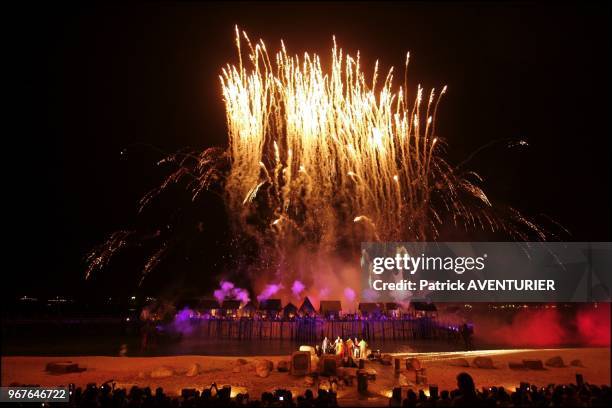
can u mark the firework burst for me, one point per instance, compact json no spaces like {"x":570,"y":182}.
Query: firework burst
{"x":323,"y":159}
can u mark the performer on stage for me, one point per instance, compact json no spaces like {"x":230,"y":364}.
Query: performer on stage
{"x":363,"y":346}
{"x":339,"y":344}
{"x":349,"y":348}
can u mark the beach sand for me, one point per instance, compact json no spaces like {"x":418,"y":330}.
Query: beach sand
{"x":128,"y":371}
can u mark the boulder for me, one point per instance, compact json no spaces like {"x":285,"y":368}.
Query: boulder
{"x":193,"y":370}
{"x":63,"y":367}
{"x":555,"y":362}
{"x":269,"y":364}
{"x":517,"y":365}
{"x":263,"y":368}
{"x":262,"y":372}
{"x":413,"y":364}
{"x":534,"y":364}
{"x":283,"y":366}
{"x":576,"y":363}
{"x":162,"y":372}
{"x":483,"y":362}
{"x":241,"y":361}
{"x":386,"y":359}
{"x":459,"y":362}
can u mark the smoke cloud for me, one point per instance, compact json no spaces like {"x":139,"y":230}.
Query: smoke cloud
{"x":589,"y":325}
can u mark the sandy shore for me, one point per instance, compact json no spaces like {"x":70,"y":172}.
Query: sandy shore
{"x":128,"y":371}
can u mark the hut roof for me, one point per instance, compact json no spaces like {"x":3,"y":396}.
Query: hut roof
{"x":328,"y":306}
{"x":230,"y":304}
{"x":307,"y":306}
{"x":290,"y":307}
{"x":370,"y":307}
{"x":270,"y":305}
{"x":424,"y":306}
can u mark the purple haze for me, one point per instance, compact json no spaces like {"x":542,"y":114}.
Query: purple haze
{"x":228,"y":290}
{"x":297,"y":288}
{"x":270,"y":290}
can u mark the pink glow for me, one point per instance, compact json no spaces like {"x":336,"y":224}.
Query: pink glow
{"x":297,"y":288}
{"x":594,"y":325}
{"x":269,"y":291}
{"x":227,"y":290}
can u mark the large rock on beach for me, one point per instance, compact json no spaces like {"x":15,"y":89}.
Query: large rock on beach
{"x":263,"y":368}
{"x":413,"y":364}
{"x":483,"y":362}
{"x":459,"y":362}
{"x":162,"y":372}
{"x":517,"y":365}
{"x":576,"y":363}
{"x":555,"y":362}
{"x":63,"y":367}
{"x":534,"y":364}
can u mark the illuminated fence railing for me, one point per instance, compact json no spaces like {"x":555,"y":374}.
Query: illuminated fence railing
{"x":313,"y":328}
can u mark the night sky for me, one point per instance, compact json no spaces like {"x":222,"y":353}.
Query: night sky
{"x":105,"y":90}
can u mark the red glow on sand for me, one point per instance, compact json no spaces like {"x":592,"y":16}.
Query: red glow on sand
{"x":594,"y":325}
{"x":536,"y":328}
{"x":552,"y":326}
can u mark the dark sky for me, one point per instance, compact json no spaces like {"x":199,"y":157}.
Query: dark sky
{"x":95,"y":80}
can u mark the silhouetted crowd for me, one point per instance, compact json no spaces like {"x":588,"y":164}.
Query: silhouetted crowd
{"x":105,"y":396}
{"x":465,"y":395}
{"x":527,"y":395}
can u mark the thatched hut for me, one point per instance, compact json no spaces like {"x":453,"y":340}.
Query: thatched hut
{"x":307,"y":309}
{"x":331,"y":309}
{"x":423,"y":309}
{"x":393,"y":310}
{"x":270,"y":308}
{"x":371,"y":309}
{"x":229,"y":308}
{"x":289,"y":311}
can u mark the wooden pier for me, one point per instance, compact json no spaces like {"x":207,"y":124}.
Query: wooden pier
{"x":313,"y":329}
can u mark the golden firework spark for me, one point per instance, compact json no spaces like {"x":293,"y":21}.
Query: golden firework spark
{"x":330,"y":148}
